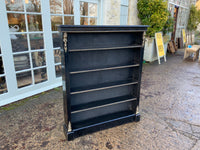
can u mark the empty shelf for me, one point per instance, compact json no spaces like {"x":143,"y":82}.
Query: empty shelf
{"x":102,"y":103}
{"x":102,"y":86}
{"x":101,"y":120}
{"x":104,"y":69}
{"x":108,"y":48}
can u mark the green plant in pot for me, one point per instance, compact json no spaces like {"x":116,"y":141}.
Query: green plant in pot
{"x":153,"y":13}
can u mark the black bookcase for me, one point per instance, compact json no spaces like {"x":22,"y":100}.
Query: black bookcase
{"x":101,"y":68}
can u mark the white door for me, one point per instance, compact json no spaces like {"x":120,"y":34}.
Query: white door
{"x":30,"y":60}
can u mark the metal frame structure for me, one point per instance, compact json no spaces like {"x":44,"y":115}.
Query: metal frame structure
{"x":183,"y":13}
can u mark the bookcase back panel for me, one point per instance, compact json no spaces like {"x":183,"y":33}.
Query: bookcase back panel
{"x":95,"y":113}
{"x":84,"y":98}
{"x":103,"y":58}
{"x":95,"y":78}
{"x":100,"y":40}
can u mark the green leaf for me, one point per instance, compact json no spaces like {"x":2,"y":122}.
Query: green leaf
{"x":153,"y":13}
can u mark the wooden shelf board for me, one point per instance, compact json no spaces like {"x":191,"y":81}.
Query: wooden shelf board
{"x":101,"y":103}
{"x":101,"y":120}
{"x":104,"y":69}
{"x":103,"y":86}
{"x":107,"y":48}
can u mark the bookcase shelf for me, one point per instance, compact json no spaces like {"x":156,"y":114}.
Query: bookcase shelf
{"x":107,"y":48}
{"x":102,"y":119}
{"x":102,"y":68}
{"x":102,"y":103}
{"x":103,"y":86}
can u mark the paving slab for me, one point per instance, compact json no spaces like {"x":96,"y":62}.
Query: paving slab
{"x":169,"y":107}
{"x":196,"y":146}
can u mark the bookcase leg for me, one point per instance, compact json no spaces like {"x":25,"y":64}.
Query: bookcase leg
{"x":137,"y":118}
{"x":69,"y":135}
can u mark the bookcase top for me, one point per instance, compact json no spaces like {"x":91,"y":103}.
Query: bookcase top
{"x":102,"y":28}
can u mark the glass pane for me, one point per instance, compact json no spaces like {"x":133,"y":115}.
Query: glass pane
{"x":36,"y":41}
{"x":14,"y":5}
{"x":33,"y":5}
{"x":93,"y":21}
{"x":34,"y":22}
{"x":69,"y":20}
{"x":16,"y":22}
{"x":1,"y":66}
{"x":58,"y":69}
{"x":56,"y":6}
{"x":68,"y":7}
{"x":24,"y":79}
{"x":57,"y":56}
{"x":56,"y":40}
{"x":40,"y":75}
{"x":22,"y":61}
{"x":84,"y":21}
{"x":84,"y":8}
{"x":38,"y":59}
{"x":3,"y":88}
{"x":19,"y":42}
{"x":93,"y":9}
{"x":55,"y":21}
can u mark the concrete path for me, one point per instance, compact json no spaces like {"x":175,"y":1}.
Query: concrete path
{"x":169,"y":107}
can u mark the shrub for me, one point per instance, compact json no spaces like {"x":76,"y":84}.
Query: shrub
{"x":194,"y":18}
{"x":168,"y":27}
{"x":153,"y":13}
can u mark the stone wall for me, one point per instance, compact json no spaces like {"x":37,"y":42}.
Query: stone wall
{"x":133,"y":13}
{"x":111,"y":12}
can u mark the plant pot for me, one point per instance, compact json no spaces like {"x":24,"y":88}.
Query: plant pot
{"x":150,"y":53}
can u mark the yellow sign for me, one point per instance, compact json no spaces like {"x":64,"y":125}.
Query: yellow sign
{"x":184,"y":37}
{"x":160,"y":45}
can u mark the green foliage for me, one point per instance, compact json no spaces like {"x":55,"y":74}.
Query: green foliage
{"x":168,"y":27}
{"x":153,"y":13}
{"x":194,"y":18}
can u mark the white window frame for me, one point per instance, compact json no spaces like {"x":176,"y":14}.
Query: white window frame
{"x":124,"y":17}
{"x":14,"y":93}
{"x":88,"y":1}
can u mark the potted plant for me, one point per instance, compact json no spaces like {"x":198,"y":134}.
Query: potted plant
{"x":155,"y":14}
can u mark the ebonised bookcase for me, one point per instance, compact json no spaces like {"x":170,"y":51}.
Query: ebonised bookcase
{"x":101,"y":76}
